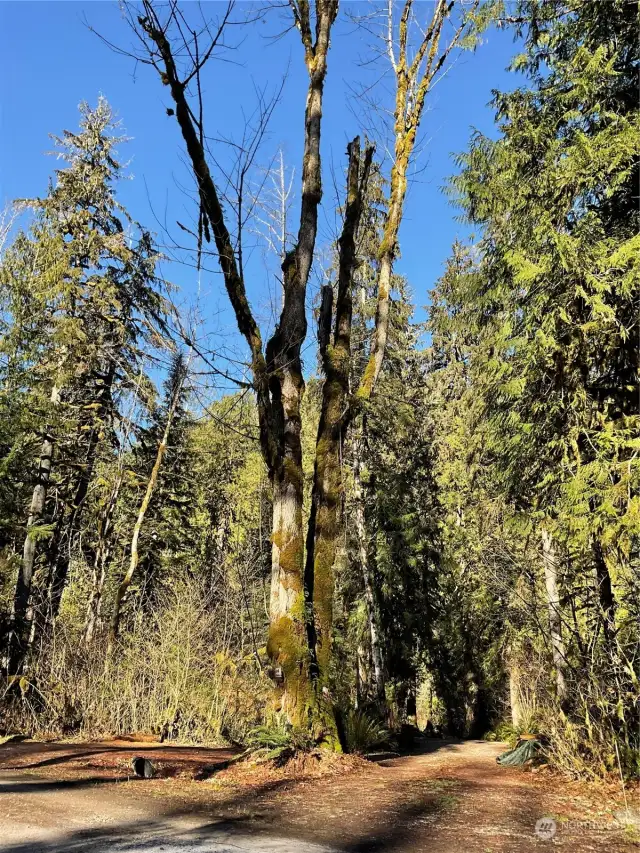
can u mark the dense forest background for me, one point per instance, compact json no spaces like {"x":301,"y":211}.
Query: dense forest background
{"x":468,"y":486}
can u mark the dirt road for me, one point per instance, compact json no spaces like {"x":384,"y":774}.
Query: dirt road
{"x":451,"y":798}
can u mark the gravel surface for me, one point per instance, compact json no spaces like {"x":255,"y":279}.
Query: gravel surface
{"x":450,"y":797}
{"x":41,"y":816}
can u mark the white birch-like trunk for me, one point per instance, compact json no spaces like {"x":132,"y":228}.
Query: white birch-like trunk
{"x":550,"y":562}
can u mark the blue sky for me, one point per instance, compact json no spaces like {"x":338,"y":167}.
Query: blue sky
{"x":52,"y":61}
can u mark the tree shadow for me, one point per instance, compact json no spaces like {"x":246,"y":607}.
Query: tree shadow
{"x":58,"y":759}
{"x":413,"y":828}
{"x":69,"y":753}
{"x":415,"y":814}
{"x":423,"y":746}
{"x":44,"y":786}
{"x":434,"y":822}
{"x":226,"y":833}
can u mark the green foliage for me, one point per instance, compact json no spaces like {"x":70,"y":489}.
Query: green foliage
{"x":82,"y":309}
{"x":363,"y":732}
{"x":278,"y":743}
{"x":512,"y":414}
{"x":537,"y":363}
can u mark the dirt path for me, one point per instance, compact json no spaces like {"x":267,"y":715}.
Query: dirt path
{"x":451,"y":798}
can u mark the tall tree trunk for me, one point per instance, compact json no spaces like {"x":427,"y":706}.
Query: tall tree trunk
{"x":286,"y":644}
{"x":328,"y":488}
{"x":375,"y":634}
{"x":134,"y":559}
{"x":101,"y":561}
{"x":70,"y":526}
{"x":514,"y":695}
{"x":414,"y":77}
{"x":277,"y":373}
{"x":21,"y":617}
{"x":550,"y":562}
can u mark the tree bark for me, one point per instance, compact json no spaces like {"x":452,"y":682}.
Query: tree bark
{"x":62,"y":553}
{"x":277,"y":373}
{"x":20,"y":617}
{"x":414,"y":78}
{"x":550,"y":562}
{"x":514,"y":695}
{"x":101,"y":561}
{"x":328,"y":488}
{"x":606,"y":597}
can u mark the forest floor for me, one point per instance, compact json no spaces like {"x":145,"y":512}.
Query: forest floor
{"x":450,"y":797}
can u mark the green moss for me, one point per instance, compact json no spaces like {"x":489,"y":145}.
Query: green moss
{"x":282,"y":645}
{"x":322,"y":449}
{"x":290,"y":560}
{"x":287,"y":649}
{"x":298,"y":608}
{"x":367,"y":380}
{"x":294,"y":474}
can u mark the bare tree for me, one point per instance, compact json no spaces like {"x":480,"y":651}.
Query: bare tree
{"x":178,"y":52}
{"x":301,"y":611}
{"x":416,"y":64}
{"x":272,"y":201}
{"x":416,"y":52}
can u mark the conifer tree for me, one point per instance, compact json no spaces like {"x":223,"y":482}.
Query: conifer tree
{"x":92,"y":270}
{"x":546,"y":320}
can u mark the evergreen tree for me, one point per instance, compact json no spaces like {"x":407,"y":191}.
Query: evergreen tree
{"x":94,"y":306}
{"x":542,"y":331}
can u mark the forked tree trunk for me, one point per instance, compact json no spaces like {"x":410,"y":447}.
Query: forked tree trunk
{"x":550,"y":562}
{"x":328,"y":487}
{"x":20,"y":617}
{"x":413,"y":80}
{"x":277,"y":372}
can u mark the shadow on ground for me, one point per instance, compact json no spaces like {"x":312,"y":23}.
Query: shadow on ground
{"x":456,"y":801}
{"x":14,"y":756}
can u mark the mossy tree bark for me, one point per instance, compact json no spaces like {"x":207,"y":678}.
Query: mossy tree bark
{"x":414,"y":78}
{"x":328,"y":488}
{"x":277,"y":375}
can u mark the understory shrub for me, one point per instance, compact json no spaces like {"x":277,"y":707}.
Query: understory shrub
{"x":173,"y":671}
